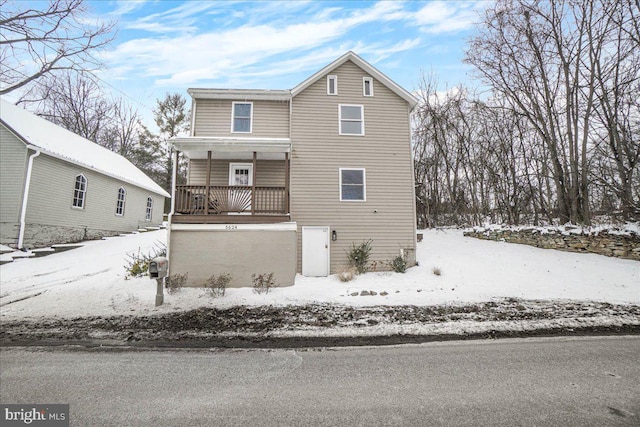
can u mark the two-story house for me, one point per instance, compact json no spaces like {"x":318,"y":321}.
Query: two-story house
{"x":286,"y":181}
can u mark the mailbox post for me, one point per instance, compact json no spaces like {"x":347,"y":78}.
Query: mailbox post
{"x":158,"y":270}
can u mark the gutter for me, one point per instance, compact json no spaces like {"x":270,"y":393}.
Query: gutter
{"x":25,"y":198}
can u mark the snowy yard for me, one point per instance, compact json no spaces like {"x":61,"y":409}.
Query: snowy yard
{"x":90,"y":281}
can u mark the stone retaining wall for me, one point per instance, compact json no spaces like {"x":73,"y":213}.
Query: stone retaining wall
{"x":602,"y":243}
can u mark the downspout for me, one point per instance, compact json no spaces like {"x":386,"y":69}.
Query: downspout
{"x":174,"y":180}
{"x":25,"y":198}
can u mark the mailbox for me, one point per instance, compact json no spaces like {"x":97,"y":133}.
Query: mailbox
{"x":158,"y":267}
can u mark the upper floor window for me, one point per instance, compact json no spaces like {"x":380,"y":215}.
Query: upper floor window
{"x":122,"y":195}
{"x":242,"y":115}
{"x":79,"y":191}
{"x":149,"y":213}
{"x":352,"y":184}
{"x":332,"y":85}
{"x":351,"y":119}
{"x":367,"y":86}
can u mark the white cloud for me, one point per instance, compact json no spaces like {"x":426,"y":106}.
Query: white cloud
{"x":442,"y":17}
{"x":184,"y":57}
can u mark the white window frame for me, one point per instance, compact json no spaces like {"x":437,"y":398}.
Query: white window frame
{"x":335,"y":84}
{"x":234,"y":166}
{"x":148,"y":213}
{"x":120,"y":203}
{"x":364,"y":86}
{"x":233,"y":116}
{"x":79,"y":194}
{"x":364,"y":184}
{"x":350,"y":120}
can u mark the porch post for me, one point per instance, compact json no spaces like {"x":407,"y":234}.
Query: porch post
{"x":286,"y":183}
{"x":208,"y":185}
{"x":253,"y":185}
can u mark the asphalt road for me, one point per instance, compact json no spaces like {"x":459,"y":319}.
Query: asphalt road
{"x":546,"y":382}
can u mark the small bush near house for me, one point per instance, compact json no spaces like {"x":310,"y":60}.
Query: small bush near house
{"x":358,"y":256}
{"x":216,"y":286}
{"x":137,"y":264}
{"x":175,"y":282}
{"x":436,"y":270}
{"x":262,"y":283}
{"x":398,"y":264}
{"x":346,"y":274}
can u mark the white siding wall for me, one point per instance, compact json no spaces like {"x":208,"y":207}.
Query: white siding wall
{"x":388,"y":214}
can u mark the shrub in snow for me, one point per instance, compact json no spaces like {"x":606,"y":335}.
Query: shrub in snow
{"x":436,"y":271}
{"x":137,"y":264}
{"x":358,"y":256}
{"x":346,"y":274}
{"x":398,"y":264}
{"x":216,"y":286}
{"x":262,"y":283}
{"x":175,"y":282}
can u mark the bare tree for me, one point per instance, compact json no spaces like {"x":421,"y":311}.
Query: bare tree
{"x":76,"y":103}
{"x":561,"y":66}
{"x":35,"y":42}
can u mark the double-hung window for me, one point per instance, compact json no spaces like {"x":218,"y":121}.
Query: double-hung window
{"x":351,"y":119}
{"x":79,"y":191}
{"x":122,"y":195}
{"x":242,"y":115}
{"x":149,"y":213}
{"x":352,"y":185}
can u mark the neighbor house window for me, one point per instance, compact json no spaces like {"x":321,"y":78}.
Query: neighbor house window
{"x":367,"y":86}
{"x":352,"y":184}
{"x":79,"y":191}
{"x":242,"y":117}
{"x":351,"y":119}
{"x":122,"y":195}
{"x":149,"y":214}
{"x":332,"y":85}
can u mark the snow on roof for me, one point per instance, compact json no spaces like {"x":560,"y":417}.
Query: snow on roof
{"x":58,"y":142}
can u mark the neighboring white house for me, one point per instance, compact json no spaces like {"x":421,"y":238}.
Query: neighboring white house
{"x":58,"y":187}
{"x":286,"y":181}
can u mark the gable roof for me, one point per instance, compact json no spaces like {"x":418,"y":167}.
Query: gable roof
{"x":285,"y":95}
{"x":49,"y":138}
{"x":370,"y":69}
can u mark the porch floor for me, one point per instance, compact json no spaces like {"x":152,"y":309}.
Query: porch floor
{"x":229,"y":219}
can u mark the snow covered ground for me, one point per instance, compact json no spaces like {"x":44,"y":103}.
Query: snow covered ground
{"x":90,"y":281}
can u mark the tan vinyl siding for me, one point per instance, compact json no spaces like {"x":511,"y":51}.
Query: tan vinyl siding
{"x":14,"y":157}
{"x":269,"y":173}
{"x":51,"y":197}
{"x":270,"y":119}
{"x":388,"y":214}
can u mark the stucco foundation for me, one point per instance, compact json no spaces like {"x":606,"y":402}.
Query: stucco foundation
{"x":203,"y":250}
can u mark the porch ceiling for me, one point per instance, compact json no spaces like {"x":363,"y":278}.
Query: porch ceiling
{"x":232,"y":148}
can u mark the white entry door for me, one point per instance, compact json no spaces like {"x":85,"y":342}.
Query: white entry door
{"x":315,"y":251}
{"x":240,"y":174}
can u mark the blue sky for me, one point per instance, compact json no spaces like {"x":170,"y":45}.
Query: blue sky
{"x":169,"y":46}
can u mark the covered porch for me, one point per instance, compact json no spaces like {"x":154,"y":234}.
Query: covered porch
{"x":233,"y":180}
